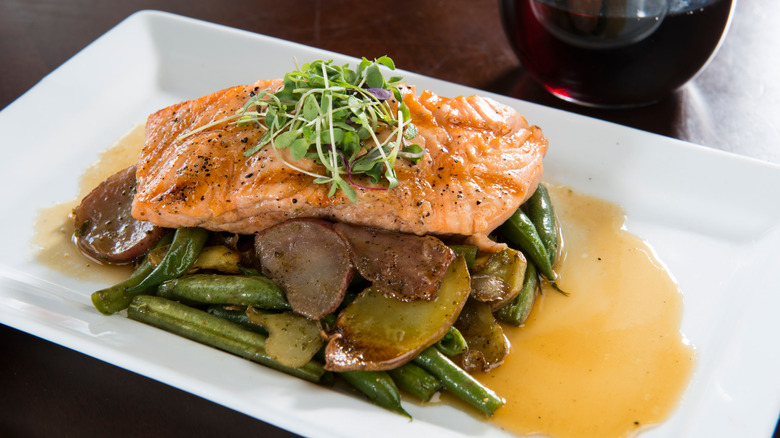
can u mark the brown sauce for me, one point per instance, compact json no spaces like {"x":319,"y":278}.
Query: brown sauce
{"x":606,"y":361}
{"x":52,"y":242}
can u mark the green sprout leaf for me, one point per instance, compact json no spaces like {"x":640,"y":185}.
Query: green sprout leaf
{"x":285,"y":139}
{"x":374,"y":77}
{"x":298,"y":148}
{"x":338,"y":117}
{"x":386,"y":61}
{"x":411,"y":132}
{"x":311,"y":108}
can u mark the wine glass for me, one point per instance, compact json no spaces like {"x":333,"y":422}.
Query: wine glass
{"x":615,"y":53}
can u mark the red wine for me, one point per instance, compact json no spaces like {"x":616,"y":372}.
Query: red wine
{"x":609,"y":60}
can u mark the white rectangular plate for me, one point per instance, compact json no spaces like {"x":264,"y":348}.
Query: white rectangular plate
{"x":711,"y":217}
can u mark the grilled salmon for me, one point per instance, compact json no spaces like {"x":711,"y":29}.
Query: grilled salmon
{"x":482,"y":160}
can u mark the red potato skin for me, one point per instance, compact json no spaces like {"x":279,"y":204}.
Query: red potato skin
{"x":406,"y":266}
{"x":105,"y":230}
{"x":310,"y":261}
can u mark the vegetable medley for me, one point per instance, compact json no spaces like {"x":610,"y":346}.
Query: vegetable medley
{"x":385,"y":312}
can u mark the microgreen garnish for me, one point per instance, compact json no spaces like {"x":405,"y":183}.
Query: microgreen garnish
{"x":352,"y":122}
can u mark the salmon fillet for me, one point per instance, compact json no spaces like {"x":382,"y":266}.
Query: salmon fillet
{"x":482,"y":160}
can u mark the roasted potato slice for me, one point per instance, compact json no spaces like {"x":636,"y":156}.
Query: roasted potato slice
{"x":487,"y":344}
{"x":293,"y":340}
{"x":499,"y":279}
{"x":407,"y":266}
{"x":379,"y":332}
{"x":310,"y":261}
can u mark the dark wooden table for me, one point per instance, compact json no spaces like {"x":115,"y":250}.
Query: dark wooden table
{"x":48,"y":390}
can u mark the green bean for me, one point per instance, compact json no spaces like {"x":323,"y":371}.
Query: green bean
{"x":414,"y":380}
{"x":540,"y":210}
{"x":248,"y":271}
{"x":469,"y":252}
{"x":184,"y":250}
{"x":521,"y":232}
{"x":452,"y":343}
{"x":328,"y":321}
{"x":236,"y":315}
{"x":379,"y":387}
{"x":115,"y":298}
{"x":458,"y":382}
{"x":254,"y":291}
{"x":216,"y":332}
{"x":517,"y":311}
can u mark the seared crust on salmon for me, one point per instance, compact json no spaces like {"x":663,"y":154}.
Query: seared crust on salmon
{"x":482,"y":160}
